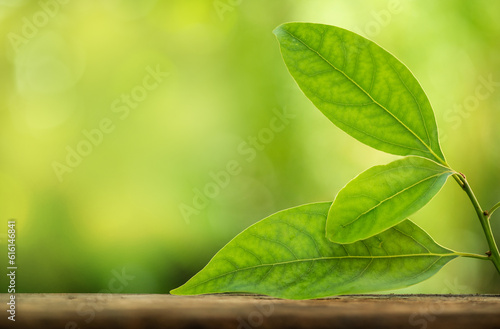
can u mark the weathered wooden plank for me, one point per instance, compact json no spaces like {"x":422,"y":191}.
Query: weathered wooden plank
{"x":71,"y":311}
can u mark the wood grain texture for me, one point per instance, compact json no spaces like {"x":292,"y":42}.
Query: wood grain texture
{"x":71,"y":311}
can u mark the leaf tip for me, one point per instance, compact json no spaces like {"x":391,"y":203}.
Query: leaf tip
{"x":177,"y":291}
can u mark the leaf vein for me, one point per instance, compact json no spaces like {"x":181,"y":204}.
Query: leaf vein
{"x":415,"y":100}
{"x":430,"y":150}
{"x":334,"y":258}
{"x":390,"y":198}
{"x":274,"y":241}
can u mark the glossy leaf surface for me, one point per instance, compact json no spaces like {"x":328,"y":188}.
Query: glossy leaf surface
{"x":287,"y":255}
{"x":383,"y":196}
{"x":361,"y":88}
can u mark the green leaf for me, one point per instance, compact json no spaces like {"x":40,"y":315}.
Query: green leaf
{"x":361,"y":88}
{"x":287,"y":255}
{"x":383,"y":196}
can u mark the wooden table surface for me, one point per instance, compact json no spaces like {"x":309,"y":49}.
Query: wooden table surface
{"x":109,"y":311}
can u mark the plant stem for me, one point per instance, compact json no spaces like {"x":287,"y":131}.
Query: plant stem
{"x":458,"y":178}
{"x":495,"y":207}
{"x":485,"y":223}
{"x":465,"y":254}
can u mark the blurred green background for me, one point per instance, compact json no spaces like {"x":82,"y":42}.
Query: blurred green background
{"x":113,"y":114}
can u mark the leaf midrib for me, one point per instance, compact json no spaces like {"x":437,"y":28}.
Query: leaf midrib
{"x":393,"y":196}
{"x":374,"y":101}
{"x":451,"y":254}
